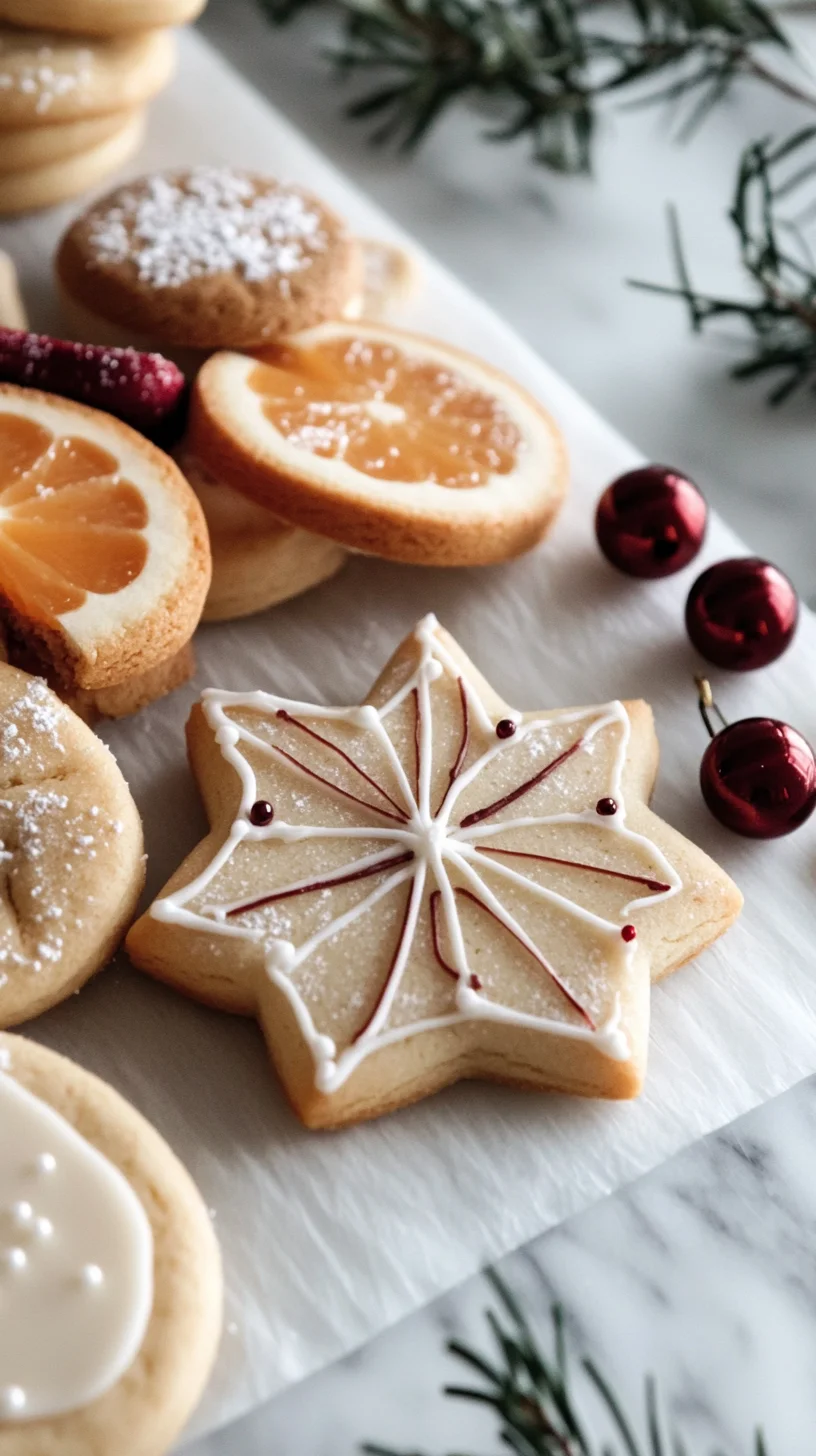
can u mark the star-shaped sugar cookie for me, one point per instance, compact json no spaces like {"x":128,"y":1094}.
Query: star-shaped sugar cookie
{"x":432,"y":886}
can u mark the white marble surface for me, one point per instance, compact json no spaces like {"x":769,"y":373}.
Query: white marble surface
{"x":704,"y":1272}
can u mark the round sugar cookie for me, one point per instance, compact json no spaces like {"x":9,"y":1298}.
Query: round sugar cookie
{"x":390,"y":443}
{"x":104,"y":556}
{"x":210,"y":258}
{"x":71,"y":850}
{"x":258,"y":560}
{"x":53,"y":182}
{"x":99,"y":17}
{"x":47,"y":78}
{"x":112,"y":1289}
{"x":25,"y":147}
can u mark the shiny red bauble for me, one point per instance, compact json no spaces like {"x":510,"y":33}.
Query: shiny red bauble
{"x":758,"y":777}
{"x":650,"y":522}
{"x":742,"y":614}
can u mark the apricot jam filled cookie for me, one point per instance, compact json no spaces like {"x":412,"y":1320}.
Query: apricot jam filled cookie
{"x":104,"y":560}
{"x":390,"y":443}
{"x":432,"y":886}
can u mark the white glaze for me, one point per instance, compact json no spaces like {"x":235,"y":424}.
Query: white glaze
{"x":433,"y":841}
{"x":76,"y":1264}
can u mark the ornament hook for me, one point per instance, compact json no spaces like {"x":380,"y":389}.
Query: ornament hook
{"x":708,"y":707}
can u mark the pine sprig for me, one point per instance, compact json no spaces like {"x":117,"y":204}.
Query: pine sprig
{"x":543,"y":66}
{"x":774,"y":216}
{"x":531,"y":1393}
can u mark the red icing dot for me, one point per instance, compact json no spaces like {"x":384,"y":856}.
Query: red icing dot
{"x":628,"y":932}
{"x":475,"y":983}
{"x":505,"y":728}
{"x":606,"y":806}
{"x":261,"y":813}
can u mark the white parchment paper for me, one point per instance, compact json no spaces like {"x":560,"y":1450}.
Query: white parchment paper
{"x":327,"y":1238}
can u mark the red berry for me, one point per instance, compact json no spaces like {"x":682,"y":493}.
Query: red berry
{"x":758,"y":777}
{"x":144,"y":390}
{"x":628,"y":933}
{"x":742,"y":613}
{"x":651,"y":522}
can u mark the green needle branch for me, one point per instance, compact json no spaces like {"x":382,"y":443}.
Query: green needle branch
{"x":530,"y":1391}
{"x":541,"y":67}
{"x":773,"y":214}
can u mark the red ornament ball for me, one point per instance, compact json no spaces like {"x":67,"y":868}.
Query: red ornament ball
{"x":742,"y":613}
{"x":758,"y":777}
{"x":261,"y":813}
{"x":651,"y":522}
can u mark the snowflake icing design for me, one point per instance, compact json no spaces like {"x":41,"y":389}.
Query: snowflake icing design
{"x":414,"y":835}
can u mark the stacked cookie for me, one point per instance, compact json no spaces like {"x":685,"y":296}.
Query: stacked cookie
{"x":315,"y":428}
{"x":75,"y":77}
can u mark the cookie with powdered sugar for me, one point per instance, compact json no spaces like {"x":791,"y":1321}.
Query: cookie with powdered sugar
{"x":207,"y":258}
{"x":47,"y":78}
{"x":70,"y":849}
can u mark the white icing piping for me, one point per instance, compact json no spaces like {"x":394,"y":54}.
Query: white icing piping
{"x":431,"y":841}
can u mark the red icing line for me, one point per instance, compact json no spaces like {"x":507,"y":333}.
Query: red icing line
{"x":451,"y":970}
{"x":463,"y":746}
{"x":386,"y":983}
{"x":474,"y":981}
{"x":446,"y":965}
{"x":417,"y":734}
{"x":537,"y":956}
{"x":375,"y":809}
{"x":327,"y":743}
{"x":480,"y":814}
{"x":575,"y":864}
{"x":327,"y":884}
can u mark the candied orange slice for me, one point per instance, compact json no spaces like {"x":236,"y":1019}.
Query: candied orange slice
{"x":389,"y":415}
{"x":98,"y":531}
{"x":384,"y":440}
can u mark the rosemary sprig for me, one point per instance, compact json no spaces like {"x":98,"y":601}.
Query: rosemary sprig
{"x":773,"y":212}
{"x":543,"y":66}
{"x":531,"y":1393}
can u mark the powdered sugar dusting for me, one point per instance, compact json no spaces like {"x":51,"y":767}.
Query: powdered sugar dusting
{"x":207,"y":221}
{"x":46,"y":73}
{"x":25,"y":723}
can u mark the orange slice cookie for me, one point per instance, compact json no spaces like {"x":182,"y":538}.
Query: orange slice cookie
{"x":390,"y":443}
{"x":208,"y":258}
{"x":104,"y":561}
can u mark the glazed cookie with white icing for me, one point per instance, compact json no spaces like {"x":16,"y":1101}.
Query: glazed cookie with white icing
{"x":110,"y":1281}
{"x":50,"y":78}
{"x":207,"y":258}
{"x":70,"y":850}
{"x":432,"y":886}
